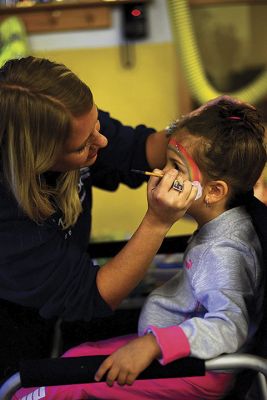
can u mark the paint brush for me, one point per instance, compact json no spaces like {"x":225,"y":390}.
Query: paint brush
{"x":197,"y":184}
{"x":138,"y":171}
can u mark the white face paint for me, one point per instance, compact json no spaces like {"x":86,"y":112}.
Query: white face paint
{"x":197,"y":184}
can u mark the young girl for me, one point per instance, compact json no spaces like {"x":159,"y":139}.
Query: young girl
{"x":213,"y":305}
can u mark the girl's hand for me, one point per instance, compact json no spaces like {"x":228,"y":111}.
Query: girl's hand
{"x":125,"y":364}
{"x":165,"y":204}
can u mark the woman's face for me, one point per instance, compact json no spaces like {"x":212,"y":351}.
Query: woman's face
{"x":81,"y":148}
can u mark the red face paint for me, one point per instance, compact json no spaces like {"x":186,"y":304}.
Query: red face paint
{"x":192,"y":168}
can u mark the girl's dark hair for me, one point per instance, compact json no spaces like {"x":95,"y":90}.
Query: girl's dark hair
{"x":231,"y":145}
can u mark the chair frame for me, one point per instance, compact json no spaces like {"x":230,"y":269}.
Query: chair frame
{"x":226,"y":362}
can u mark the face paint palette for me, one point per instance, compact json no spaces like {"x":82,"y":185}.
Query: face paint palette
{"x":197,"y":184}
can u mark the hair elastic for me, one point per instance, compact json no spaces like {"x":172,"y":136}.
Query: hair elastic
{"x":234,"y":118}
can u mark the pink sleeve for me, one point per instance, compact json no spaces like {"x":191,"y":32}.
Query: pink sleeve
{"x":172,"y":342}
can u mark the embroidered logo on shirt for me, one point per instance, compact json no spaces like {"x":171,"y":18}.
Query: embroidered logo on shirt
{"x":188,"y":264}
{"x":68,"y":233}
{"x":84,"y":173}
{"x":36,"y":395}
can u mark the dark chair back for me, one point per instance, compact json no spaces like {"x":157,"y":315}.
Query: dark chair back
{"x":245,"y":387}
{"x":24,"y":335}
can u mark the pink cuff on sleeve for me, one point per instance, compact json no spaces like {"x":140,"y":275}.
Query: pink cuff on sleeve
{"x":172,"y":342}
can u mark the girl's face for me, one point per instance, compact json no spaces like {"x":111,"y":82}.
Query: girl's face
{"x":80,"y":149}
{"x":179,"y":156}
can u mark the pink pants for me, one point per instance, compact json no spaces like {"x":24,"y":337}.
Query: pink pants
{"x":211,"y":386}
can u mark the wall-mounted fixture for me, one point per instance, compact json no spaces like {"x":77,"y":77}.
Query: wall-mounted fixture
{"x":134,"y":26}
{"x":134,"y":21}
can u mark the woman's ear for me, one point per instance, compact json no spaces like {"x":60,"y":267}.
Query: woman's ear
{"x":215,"y":192}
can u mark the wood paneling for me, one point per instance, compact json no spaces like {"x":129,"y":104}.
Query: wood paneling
{"x":196,"y":3}
{"x":63,"y":15}
{"x":65,"y":19}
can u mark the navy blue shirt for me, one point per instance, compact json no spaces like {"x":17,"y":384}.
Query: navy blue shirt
{"x":47,"y":268}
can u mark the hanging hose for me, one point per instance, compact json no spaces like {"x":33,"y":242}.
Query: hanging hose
{"x":13,"y":40}
{"x":200,"y":88}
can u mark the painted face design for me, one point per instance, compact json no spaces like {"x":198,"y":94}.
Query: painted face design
{"x":191,"y":167}
{"x":194,"y":173}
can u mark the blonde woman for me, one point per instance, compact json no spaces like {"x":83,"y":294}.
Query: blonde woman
{"x":54,"y":145}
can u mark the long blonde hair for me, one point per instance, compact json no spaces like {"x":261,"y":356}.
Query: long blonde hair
{"x":38,"y":100}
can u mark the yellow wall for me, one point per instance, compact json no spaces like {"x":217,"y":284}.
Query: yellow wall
{"x":229,"y":38}
{"x":146,"y":93}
